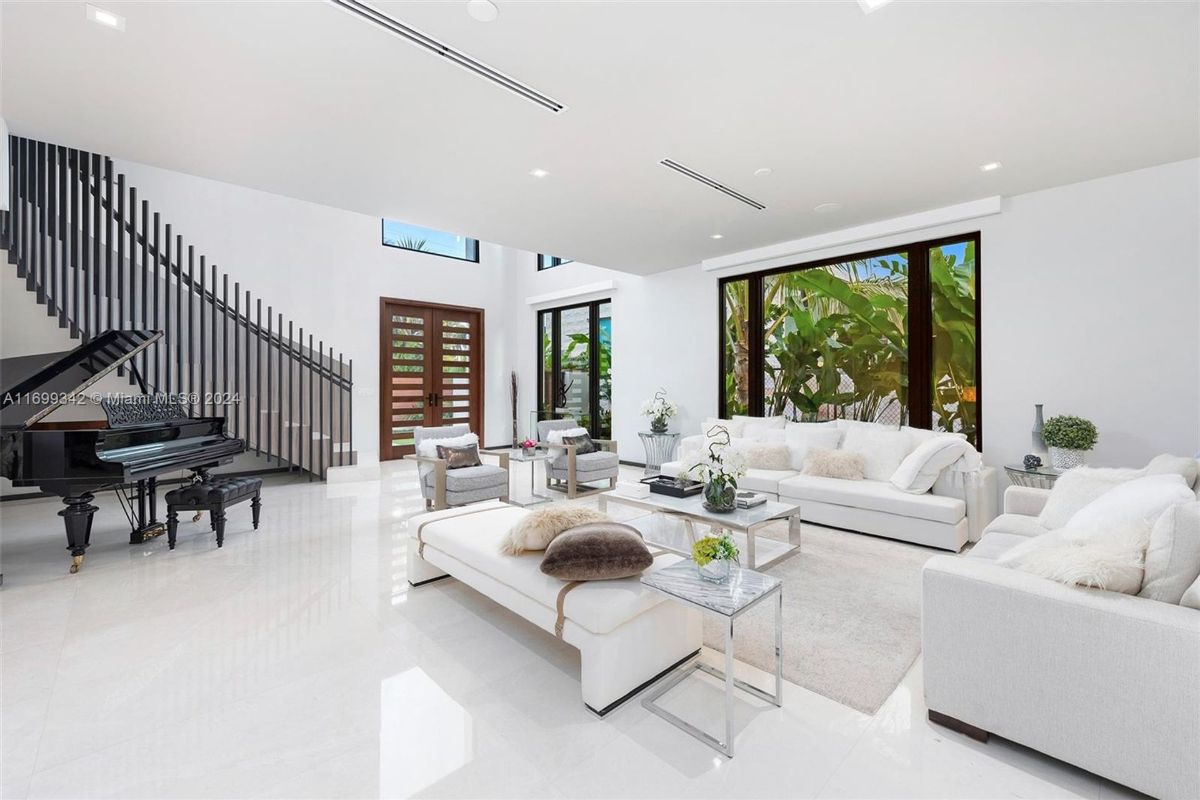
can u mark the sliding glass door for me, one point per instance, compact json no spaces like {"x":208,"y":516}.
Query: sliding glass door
{"x":575,"y":378}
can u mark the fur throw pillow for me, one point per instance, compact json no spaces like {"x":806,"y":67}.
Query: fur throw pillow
{"x":538,"y":528}
{"x":1111,"y":558}
{"x":835,"y":464}
{"x":765,"y":455}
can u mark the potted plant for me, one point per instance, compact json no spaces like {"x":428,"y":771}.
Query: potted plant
{"x":713,"y":555}
{"x":528,"y":446}
{"x":659,"y":409}
{"x":1068,"y":439}
{"x":720,"y":472}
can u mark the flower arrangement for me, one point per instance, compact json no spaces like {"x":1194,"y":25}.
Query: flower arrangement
{"x":1068,"y":439}
{"x":713,"y":556}
{"x":720,"y":472}
{"x":659,"y":409}
{"x":528,"y":445}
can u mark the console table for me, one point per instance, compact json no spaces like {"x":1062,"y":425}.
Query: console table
{"x":659,"y":448}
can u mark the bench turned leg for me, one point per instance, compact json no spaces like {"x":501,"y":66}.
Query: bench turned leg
{"x":172,"y":527}
{"x":218,"y":517}
{"x":255,"y":507}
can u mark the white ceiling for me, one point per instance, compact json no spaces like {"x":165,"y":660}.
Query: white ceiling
{"x":887,"y":113}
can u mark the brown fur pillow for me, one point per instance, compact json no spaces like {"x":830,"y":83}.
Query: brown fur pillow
{"x":835,"y":464}
{"x":598,"y":551}
{"x":538,"y":528}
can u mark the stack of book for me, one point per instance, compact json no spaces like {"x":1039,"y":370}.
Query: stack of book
{"x":746,"y":499}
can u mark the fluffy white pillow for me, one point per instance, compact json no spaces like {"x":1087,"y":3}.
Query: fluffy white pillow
{"x":556,"y":436}
{"x":834,"y":464}
{"x":1140,"y":501}
{"x":762,"y":433}
{"x":1077,"y":487}
{"x":769,"y":422}
{"x":428,"y":447}
{"x":538,"y":528}
{"x":764,"y":455}
{"x":802,"y":437}
{"x":920,"y":469}
{"x":733,"y":426}
{"x":882,"y":449}
{"x":1173,"y":556}
{"x":1102,"y":558}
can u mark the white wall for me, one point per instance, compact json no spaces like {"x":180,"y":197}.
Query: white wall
{"x":1090,"y":299}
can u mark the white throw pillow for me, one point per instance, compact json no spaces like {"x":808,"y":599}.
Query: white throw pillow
{"x":770,"y":422}
{"x":834,"y":464}
{"x":732,"y":426}
{"x":802,"y":437}
{"x":1189,"y":468}
{"x":1101,"y":558}
{"x":921,"y":435}
{"x":556,"y":436}
{"x":764,"y":455}
{"x":920,"y":469}
{"x":1077,"y":487}
{"x":428,"y":447}
{"x":1173,"y":557}
{"x":763,"y":433}
{"x":1140,"y":501}
{"x":882,"y":449}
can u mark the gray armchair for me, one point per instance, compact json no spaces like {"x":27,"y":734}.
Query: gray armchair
{"x":443,"y":488}
{"x":566,"y":470}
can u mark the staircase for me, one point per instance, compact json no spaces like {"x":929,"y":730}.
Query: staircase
{"x":98,"y":259}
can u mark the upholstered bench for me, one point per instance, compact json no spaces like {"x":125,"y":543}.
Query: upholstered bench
{"x":213,"y":495}
{"x":627,"y":635}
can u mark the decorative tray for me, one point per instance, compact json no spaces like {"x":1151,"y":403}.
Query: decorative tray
{"x":661,"y":484}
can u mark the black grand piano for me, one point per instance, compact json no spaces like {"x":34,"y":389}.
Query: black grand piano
{"x":120,"y":442}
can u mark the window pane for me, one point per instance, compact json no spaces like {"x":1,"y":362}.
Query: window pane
{"x":736,"y":357}
{"x":574,"y":392}
{"x":546,"y":262}
{"x":427,"y":240}
{"x":604,"y":354}
{"x":546,"y":402}
{"x":952,"y":279}
{"x":836,"y":341}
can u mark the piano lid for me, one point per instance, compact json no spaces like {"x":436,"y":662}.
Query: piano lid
{"x":34,"y":386}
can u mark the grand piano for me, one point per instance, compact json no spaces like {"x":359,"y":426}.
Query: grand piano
{"x":121,"y":442}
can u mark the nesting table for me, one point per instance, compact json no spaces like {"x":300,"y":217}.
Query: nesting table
{"x":531,"y":458}
{"x":744,"y":590}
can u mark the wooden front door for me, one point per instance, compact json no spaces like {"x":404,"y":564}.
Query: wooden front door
{"x":431,"y":371}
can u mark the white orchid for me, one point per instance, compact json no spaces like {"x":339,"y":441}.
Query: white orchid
{"x":659,"y":406}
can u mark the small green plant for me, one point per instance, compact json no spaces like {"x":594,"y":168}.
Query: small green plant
{"x":714,"y":548}
{"x":1070,"y":433}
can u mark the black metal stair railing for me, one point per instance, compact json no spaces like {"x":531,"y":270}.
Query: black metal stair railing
{"x":97,"y":259}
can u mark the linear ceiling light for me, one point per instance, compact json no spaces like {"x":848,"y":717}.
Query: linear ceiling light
{"x":457,"y":57}
{"x":709,"y":182}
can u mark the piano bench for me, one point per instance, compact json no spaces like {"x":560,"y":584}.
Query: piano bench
{"x":214,"y":496}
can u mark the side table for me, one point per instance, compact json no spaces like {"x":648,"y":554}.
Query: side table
{"x":517,"y":454}
{"x":659,"y":448}
{"x":1042,"y":477}
{"x":729,"y":600}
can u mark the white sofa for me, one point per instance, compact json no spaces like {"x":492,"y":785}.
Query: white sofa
{"x":1108,"y":682}
{"x":954,"y":512}
{"x":626,"y":634}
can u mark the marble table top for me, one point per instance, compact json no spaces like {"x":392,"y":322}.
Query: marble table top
{"x":683,"y":582}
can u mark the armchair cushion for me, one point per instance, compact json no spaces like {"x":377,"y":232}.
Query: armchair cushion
{"x":466,"y":479}
{"x":599,"y":461}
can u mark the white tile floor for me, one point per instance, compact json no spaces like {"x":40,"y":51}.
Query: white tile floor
{"x":298,"y":662}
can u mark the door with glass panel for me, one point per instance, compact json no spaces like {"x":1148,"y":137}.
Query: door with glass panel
{"x":575,"y":379}
{"x":431,"y":371}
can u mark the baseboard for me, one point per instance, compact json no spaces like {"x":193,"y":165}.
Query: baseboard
{"x":643,"y":686}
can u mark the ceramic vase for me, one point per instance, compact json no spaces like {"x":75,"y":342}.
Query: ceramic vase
{"x":1065,"y":458}
{"x":1039,"y":446}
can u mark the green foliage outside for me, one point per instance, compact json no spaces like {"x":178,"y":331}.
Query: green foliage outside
{"x":1070,"y":433}
{"x":575,"y":358}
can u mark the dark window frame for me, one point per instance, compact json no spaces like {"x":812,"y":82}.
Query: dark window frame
{"x":472,"y":244}
{"x":920,"y":327}
{"x":550,"y":262}
{"x":593,"y":307}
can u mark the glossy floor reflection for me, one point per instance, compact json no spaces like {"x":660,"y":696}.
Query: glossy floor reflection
{"x":297,"y":662}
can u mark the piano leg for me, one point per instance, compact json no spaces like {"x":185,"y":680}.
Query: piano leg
{"x":77,"y":517}
{"x":147,"y":490}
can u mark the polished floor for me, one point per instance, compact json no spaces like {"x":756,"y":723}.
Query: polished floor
{"x":297,"y":662}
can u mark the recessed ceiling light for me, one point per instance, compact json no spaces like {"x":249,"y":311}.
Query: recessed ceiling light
{"x":828,"y":208}
{"x":991,"y":166}
{"x":538,"y":173}
{"x":482,"y":10}
{"x":105,"y":18}
{"x":762,"y":172}
{"x":717,"y":236}
{"x":872,"y":5}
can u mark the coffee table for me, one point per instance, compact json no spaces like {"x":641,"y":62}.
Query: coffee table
{"x":742,"y":524}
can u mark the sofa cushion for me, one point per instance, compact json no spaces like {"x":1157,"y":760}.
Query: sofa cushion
{"x":764,"y":480}
{"x":466,"y":479}
{"x":881,"y":449}
{"x":801,"y":437}
{"x":475,"y":539}
{"x":1173,"y":556}
{"x":1077,"y":487}
{"x":601,"y":460}
{"x":995,"y":544}
{"x":1191,"y":598}
{"x":874,"y":496}
{"x":1140,"y":501}
{"x":1016,"y":524}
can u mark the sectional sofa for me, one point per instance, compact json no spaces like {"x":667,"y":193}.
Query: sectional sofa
{"x":954,"y":511}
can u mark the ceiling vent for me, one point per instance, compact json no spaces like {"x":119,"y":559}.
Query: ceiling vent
{"x":707,"y":181}
{"x":457,"y":57}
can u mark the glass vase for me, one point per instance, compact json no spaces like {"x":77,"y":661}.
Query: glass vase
{"x":716,"y":571}
{"x":658,"y":425}
{"x":720,"y":496}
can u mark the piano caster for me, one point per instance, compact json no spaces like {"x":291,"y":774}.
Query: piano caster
{"x":76,"y":563}
{"x":196,"y":517}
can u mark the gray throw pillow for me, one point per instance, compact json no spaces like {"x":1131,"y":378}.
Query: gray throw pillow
{"x":597,"y":551}
{"x":459,"y":457}
{"x":584,"y":444}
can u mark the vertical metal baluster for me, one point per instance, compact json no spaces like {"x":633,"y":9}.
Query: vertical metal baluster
{"x":225,"y":344}
{"x":321,"y":409}
{"x":97,"y":201}
{"x":191,"y":348}
{"x":108,"y":244}
{"x":312,"y":376}
{"x":131,"y":307}
{"x":145,"y":234}
{"x":73,"y":221}
{"x":179,"y":315}
{"x":121,"y":229}
{"x":258,"y":376}
{"x":350,"y":414}
{"x":212,"y":353}
{"x":341,"y":404}
{"x":270,"y":316}
{"x":203,"y":385}
{"x":21,"y":178}
{"x":301,"y":454}
{"x":170,"y":337}
{"x":237,"y":358}
{"x":64,"y":290}
{"x":279,"y":391}
{"x":85,"y":217}
{"x":248,"y":385}
{"x":158,"y":348}
{"x":40,"y":216}
{"x":14,"y":213}
{"x":52,"y":227}
{"x":291,"y":383}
